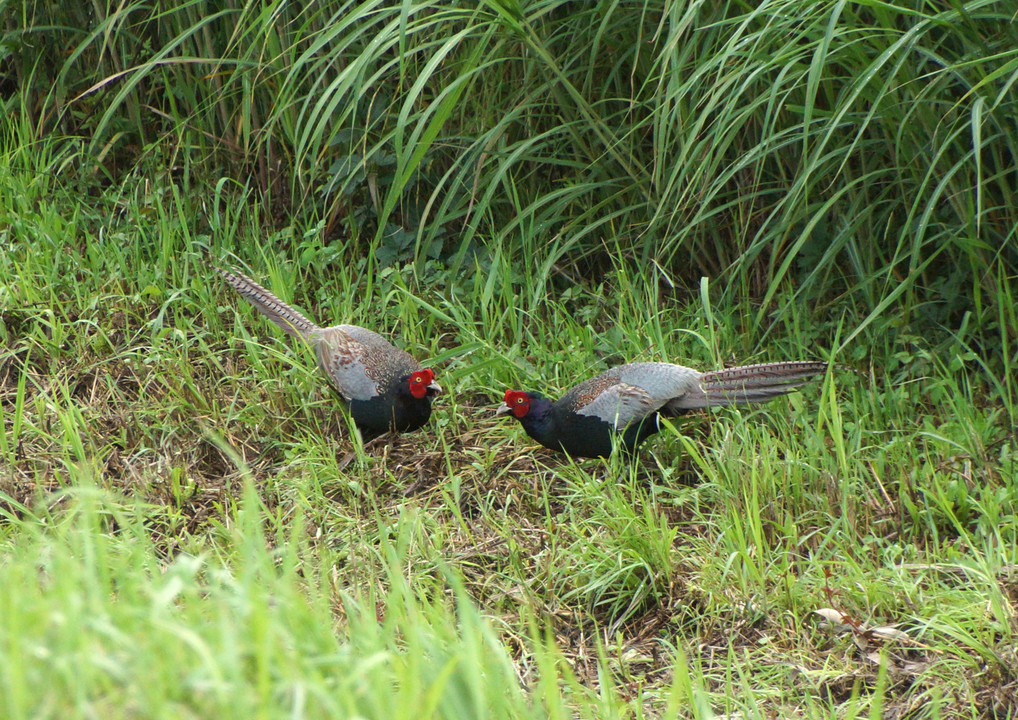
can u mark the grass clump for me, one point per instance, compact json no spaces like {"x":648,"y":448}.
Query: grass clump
{"x":853,"y":152}
{"x":94,"y":612}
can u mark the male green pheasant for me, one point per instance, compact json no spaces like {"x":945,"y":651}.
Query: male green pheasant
{"x":621,"y":406}
{"x":384,"y":387}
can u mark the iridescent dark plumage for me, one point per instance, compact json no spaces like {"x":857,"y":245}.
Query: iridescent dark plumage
{"x":384,"y":387}
{"x":621,"y":406}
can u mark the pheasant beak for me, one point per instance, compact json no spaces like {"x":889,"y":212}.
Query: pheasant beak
{"x":435,"y":387}
{"x":503,"y":409}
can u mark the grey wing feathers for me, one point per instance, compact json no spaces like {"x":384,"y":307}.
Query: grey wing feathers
{"x":620,"y":405}
{"x":288,"y":319}
{"x":344,"y":359}
{"x":630,"y":393}
{"x":747,"y":384}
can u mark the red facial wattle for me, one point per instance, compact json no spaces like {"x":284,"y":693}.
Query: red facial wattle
{"x":419,"y":382}
{"x":518,"y":402}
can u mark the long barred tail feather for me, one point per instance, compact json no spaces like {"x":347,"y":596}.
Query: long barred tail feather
{"x":288,"y":319}
{"x":746,"y":384}
{"x":757,"y":383}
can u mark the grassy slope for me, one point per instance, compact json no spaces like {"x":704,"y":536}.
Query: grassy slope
{"x":190,"y":530}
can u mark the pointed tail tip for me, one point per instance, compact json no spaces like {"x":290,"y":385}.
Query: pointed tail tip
{"x":228,"y":273}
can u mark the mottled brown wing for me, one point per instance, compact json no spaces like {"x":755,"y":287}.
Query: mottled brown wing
{"x":579,"y":396}
{"x":386,"y":363}
{"x":620,"y":404}
{"x":361,"y":363}
{"x":346,"y":362}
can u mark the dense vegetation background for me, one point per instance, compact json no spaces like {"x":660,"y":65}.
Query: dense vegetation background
{"x":523,"y":192}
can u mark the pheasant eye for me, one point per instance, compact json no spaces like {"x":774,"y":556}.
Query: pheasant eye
{"x":520,"y":401}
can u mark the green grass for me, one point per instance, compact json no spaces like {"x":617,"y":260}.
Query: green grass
{"x":191,"y":530}
{"x":825,"y":149}
{"x":521,"y":195}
